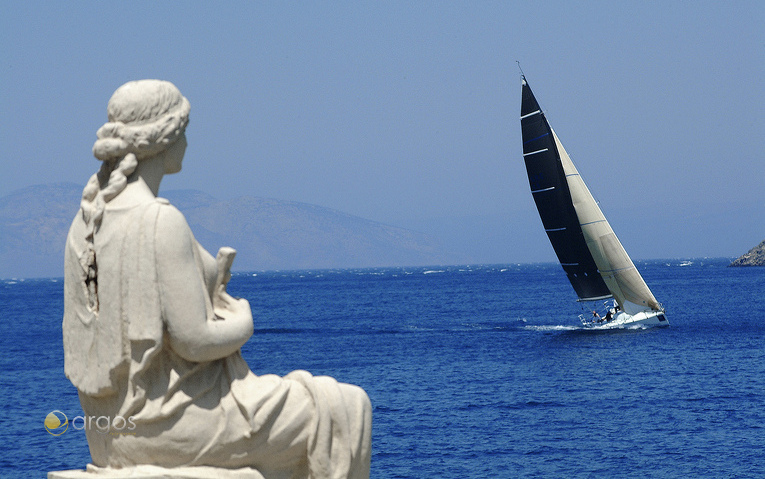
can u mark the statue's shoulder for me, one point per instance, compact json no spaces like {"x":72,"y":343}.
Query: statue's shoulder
{"x":159,"y":210}
{"x":169,"y":221}
{"x":165,"y":208}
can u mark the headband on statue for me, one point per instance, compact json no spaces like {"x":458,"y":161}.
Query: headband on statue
{"x":116,"y":139}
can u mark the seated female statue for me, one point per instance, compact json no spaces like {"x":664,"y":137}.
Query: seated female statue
{"x":152,"y":339}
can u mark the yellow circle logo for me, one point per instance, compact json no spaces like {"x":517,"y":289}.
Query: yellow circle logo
{"x":56,"y":423}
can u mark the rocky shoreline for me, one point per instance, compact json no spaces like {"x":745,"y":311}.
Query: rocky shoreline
{"x":755,"y":257}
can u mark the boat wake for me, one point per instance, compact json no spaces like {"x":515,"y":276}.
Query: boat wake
{"x":598,"y":328}
{"x":550,"y":327}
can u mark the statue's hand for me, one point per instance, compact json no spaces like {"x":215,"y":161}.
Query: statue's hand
{"x":226,"y":306}
{"x":224,"y":260}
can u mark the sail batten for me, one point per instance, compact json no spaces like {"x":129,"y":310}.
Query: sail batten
{"x":531,"y":114}
{"x":535,"y":152}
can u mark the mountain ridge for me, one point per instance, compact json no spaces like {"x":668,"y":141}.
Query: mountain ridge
{"x":268,"y":234}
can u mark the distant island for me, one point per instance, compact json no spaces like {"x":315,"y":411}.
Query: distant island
{"x":755,"y":257}
{"x":268,"y":234}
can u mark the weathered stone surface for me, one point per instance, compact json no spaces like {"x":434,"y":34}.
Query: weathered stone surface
{"x":755,"y":257}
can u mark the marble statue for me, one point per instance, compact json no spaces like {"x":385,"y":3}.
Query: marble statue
{"x":152,"y":339}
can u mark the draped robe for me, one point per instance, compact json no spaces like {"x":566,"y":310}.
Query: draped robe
{"x":167,"y":411}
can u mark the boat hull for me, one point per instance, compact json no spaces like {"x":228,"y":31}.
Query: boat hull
{"x":622,"y":320}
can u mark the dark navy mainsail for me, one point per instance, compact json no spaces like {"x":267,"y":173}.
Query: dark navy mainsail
{"x":553,"y":199}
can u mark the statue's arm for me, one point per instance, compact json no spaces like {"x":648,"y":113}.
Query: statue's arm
{"x":195,"y":332}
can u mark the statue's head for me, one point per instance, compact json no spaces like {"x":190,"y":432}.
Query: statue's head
{"x":146,"y":117}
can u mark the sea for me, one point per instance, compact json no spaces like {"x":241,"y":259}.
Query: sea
{"x":480,"y":371}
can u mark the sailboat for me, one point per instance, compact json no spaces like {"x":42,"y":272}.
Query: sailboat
{"x":593,"y":258}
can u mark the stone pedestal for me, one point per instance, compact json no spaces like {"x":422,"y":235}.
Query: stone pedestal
{"x":154,"y":472}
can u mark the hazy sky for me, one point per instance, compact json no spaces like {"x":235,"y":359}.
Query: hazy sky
{"x":407,"y":112}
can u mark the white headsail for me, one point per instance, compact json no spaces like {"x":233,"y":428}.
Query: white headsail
{"x":614,"y":265}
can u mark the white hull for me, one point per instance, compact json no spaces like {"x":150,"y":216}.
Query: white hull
{"x":622,"y":320}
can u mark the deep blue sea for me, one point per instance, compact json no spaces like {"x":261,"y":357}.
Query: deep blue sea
{"x":473,"y":371}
